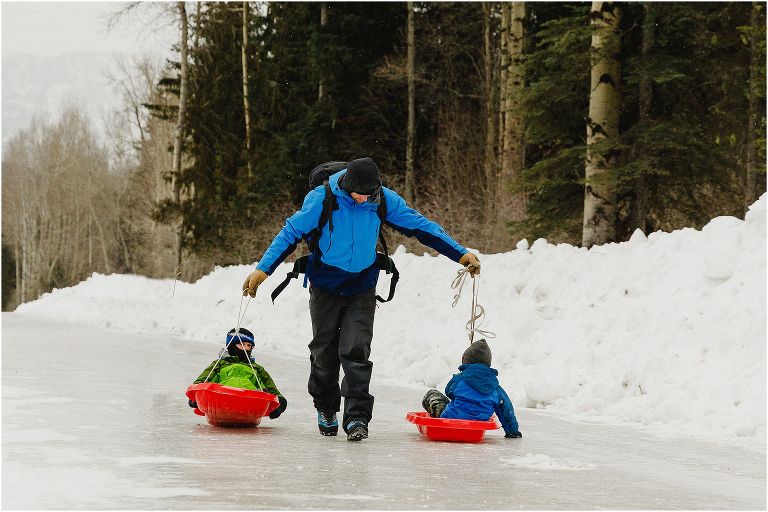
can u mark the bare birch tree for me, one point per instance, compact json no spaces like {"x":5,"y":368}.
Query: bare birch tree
{"x":512,"y":206}
{"x":599,"y":222}
{"x":59,"y":215}
{"x":754,"y":156}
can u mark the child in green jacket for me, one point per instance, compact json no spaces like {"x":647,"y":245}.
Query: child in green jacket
{"x":240,"y":371}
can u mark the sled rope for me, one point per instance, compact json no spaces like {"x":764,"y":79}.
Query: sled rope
{"x":240,"y":316}
{"x":237,"y":332}
{"x":478,"y":311}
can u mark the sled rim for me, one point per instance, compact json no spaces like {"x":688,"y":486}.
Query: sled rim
{"x":423,"y":419}
{"x":228,"y":406}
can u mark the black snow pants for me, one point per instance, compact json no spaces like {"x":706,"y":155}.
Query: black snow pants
{"x":342,"y":329}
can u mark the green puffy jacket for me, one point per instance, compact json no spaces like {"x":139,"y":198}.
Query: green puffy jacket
{"x":231,"y":371}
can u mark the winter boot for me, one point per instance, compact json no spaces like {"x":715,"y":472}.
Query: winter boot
{"x":434,"y":403}
{"x":327,"y":423}
{"x":357,"y":430}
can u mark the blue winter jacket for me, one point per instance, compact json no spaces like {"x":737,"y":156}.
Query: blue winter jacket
{"x":475,"y":394}
{"x":348,"y":254}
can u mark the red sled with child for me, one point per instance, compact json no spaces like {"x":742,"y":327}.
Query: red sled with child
{"x":458,"y":431}
{"x":234,"y":391}
{"x":225,"y":406}
{"x":472,"y":398}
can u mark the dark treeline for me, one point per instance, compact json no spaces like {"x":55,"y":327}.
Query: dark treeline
{"x":575,"y":122}
{"x":330,"y":81}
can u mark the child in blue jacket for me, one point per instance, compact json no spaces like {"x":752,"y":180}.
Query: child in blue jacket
{"x":474,"y":393}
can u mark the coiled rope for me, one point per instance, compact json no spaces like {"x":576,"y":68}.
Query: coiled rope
{"x":478,"y":311}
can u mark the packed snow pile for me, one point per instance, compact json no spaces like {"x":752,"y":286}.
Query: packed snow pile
{"x":667,"y":330}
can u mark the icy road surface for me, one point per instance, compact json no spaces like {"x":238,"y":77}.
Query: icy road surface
{"x":97,"y":419}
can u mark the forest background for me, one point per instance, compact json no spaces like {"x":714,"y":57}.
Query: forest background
{"x":576,"y":122}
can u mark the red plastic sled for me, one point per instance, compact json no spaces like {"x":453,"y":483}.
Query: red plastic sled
{"x":225,"y":406}
{"x":459,"y":431}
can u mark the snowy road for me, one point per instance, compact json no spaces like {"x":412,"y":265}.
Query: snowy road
{"x":98,"y":419}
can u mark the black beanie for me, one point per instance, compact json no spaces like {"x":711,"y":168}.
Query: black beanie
{"x":478,"y":352}
{"x":362,"y":177}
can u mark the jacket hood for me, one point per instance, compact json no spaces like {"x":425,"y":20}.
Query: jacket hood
{"x":480,"y":376}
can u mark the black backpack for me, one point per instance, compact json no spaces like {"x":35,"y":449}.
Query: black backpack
{"x":319,"y":176}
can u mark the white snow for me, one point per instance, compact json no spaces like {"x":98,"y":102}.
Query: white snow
{"x":667,"y":330}
{"x":545,"y":462}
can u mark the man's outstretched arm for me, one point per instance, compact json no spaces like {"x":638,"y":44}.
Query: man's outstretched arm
{"x":412,"y":223}
{"x":297,"y":226}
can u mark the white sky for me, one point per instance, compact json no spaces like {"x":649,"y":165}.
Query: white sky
{"x":53,"y":28}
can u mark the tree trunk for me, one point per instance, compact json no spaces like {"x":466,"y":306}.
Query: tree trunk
{"x":177,"y":146}
{"x":196,"y":38}
{"x":103,"y":239}
{"x":639,"y":210}
{"x":24,"y":250}
{"x":503,"y":67}
{"x":410,"y":185}
{"x":246,"y":105}
{"x":490,"y":114}
{"x":750,"y":182}
{"x":17,"y":257}
{"x":509,"y":206}
{"x":599,"y":224}
{"x":323,"y":22}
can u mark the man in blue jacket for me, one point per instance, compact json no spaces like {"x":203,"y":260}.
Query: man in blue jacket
{"x":343,"y":285}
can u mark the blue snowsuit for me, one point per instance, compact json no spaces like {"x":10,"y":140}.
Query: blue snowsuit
{"x":475,"y":394}
{"x":342,"y":296}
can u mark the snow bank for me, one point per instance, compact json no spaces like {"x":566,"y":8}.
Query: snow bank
{"x":668,"y":330}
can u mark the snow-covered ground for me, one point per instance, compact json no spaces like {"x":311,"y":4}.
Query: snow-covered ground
{"x":667,"y":331}
{"x":95,"y":418}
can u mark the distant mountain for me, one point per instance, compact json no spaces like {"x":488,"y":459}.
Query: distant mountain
{"x":45,"y":86}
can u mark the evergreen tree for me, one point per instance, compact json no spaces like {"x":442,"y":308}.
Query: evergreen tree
{"x":685,"y":144}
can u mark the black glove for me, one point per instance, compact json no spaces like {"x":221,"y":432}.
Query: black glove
{"x":277,"y":412}
{"x":514,"y":435}
{"x":193,"y":404}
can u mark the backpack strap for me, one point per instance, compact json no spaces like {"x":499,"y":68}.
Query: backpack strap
{"x":382,"y":209}
{"x":386,"y":263}
{"x":329,"y":204}
{"x":299,"y":267}
{"x":326,"y":217}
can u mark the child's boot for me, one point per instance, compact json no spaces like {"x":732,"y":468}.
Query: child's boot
{"x":434,"y":403}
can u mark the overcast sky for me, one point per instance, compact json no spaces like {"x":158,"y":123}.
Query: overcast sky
{"x":56,"y":55}
{"x":53,"y":28}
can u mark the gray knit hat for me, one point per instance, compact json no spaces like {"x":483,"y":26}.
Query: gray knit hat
{"x":478,"y":352}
